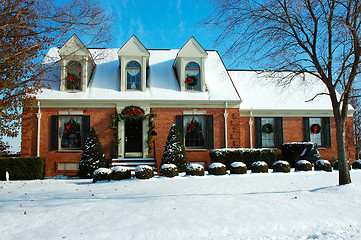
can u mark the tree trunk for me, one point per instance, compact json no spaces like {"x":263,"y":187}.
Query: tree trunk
{"x":344,"y":172}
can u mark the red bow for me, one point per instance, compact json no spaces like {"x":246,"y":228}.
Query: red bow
{"x":70,"y":78}
{"x":314,"y":128}
{"x":189,"y":80}
{"x":67,"y":128}
{"x":191,"y":126}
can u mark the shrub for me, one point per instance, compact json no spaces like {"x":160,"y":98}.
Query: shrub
{"x":303,"y":165}
{"x":259,"y":167}
{"x":281,"y":166}
{"x":323,"y":165}
{"x":22,"y":168}
{"x":356,"y":164}
{"x":168,"y":170}
{"x":195,"y":169}
{"x":144,"y":172}
{"x":175,"y":152}
{"x":335,"y":165}
{"x":101,"y":174}
{"x":292,"y":152}
{"x":120,"y":173}
{"x":217,"y":169}
{"x":245,"y":155}
{"x":92,"y":157}
{"x":238,"y":168}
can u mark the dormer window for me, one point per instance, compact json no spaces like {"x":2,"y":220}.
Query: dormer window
{"x":192,"y":77}
{"x":73,"y":77}
{"x":133,"y":76}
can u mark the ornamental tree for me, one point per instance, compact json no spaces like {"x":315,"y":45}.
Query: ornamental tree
{"x":175,"y":152}
{"x":321,"y":38}
{"x":93,"y":156}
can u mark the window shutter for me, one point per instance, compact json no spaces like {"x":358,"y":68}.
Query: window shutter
{"x":54,"y":128}
{"x":279,"y":131}
{"x":179,"y":124}
{"x":326,"y":131}
{"x":209,"y":134}
{"x":258,"y":131}
{"x":306,"y":129}
{"x":86,"y":129}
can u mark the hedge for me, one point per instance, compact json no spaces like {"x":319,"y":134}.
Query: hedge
{"x":246,"y":155}
{"x":22,"y":168}
{"x":292,"y":152}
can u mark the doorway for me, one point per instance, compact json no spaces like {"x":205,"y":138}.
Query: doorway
{"x":133,"y":138}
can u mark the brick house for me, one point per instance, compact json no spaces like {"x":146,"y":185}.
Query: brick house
{"x":213,"y":107}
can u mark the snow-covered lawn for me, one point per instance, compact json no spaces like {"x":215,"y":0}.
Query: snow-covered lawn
{"x":296,"y":205}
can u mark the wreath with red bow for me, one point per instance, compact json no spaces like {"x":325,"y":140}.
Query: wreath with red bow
{"x":315,"y":128}
{"x":191,"y":80}
{"x":71,"y":127}
{"x":194,"y":127}
{"x":73,"y":82}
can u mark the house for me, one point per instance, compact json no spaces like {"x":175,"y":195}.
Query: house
{"x":135,"y":89}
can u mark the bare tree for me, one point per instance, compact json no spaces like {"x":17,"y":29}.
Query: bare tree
{"x":355,"y":102}
{"x":318,"y":37}
{"x":27,"y":29}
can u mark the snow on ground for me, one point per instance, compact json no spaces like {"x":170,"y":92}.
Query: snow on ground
{"x":296,"y":205}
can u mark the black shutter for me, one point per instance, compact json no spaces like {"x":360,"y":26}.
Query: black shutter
{"x":326,"y":131}
{"x":86,"y":129}
{"x":306,"y":129}
{"x":54,"y":129}
{"x":209,"y":134}
{"x":279,"y":132}
{"x":258,"y":130}
{"x":179,"y":124}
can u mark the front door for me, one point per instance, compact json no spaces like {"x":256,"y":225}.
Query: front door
{"x":133,"y":138}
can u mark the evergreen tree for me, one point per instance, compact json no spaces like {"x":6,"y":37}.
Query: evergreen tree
{"x":175,"y":151}
{"x":93,"y":156}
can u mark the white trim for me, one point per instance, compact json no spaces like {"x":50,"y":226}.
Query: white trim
{"x":38,"y":115}
{"x":71,"y":112}
{"x":194,"y":112}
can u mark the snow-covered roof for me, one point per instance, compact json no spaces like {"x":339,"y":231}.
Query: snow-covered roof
{"x":163,"y":85}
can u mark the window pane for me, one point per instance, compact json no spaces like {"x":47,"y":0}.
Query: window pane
{"x":194,"y":131}
{"x":268,"y":136}
{"x":133,"y":75}
{"x":70,"y":132}
{"x":316,"y":135}
{"x":73,"y":78}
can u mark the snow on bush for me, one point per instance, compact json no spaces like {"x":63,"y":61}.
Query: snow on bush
{"x":120,"y":173}
{"x":144,"y":172}
{"x":238,"y":168}
{"x":259,"y":167}
{"x":195,"y":169}
{"x":323,"y":165}
{"x":303,"y":165}
{"x":356,"y":164}
{"x":294,"y":151}
{"x":168,"y":170}
{"x":281,"y":166}
{"x":335,"y":165}
{"x":217,"y":169}
{"x":102,"y":174}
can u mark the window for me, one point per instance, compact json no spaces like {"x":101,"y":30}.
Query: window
{"x":269,"y":132}
{"x":133,"y":75}
{"x":317,"y":130}
{"x":192,"y":80}
{"x":73,"y":75}
{"x":196,"y":131}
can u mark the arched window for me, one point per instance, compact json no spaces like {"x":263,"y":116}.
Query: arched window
{"x":73,"y":75}
{"x":192,"y":81}
{"x":133,"y":75}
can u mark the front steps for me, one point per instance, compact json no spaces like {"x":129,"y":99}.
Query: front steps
{"x":132,"y":163}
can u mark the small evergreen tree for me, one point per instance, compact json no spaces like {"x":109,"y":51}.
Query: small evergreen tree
{"x":93,"y":156}
{"x":175,"y":152}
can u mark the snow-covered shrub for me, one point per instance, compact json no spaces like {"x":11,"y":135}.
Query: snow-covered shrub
{"x":281,"y":166}
{"x":195,"y":169}
{"x":144,"y":172}
{"x":120,"y":173}
{"x":217,"y":169}
{"x":356,"y":164}
{"x":323,"y":165}
{"x":259,"y":167}
{"x":245,"y":155}
{"x":335,"y":165}
{"x":175,"y":152}
{"x":168,"y":170}
{"x":92,"y":157}
{"x":238,"y":168}
{"x":303,"y":165}
{"x":292,"y":152}
{"x":101,"y":174}
{"x":22,"y":168}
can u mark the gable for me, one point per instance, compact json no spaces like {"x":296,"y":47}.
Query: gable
{"x":192,"y":49}
{"x":133,"y":47}
{"x":74,"y":46}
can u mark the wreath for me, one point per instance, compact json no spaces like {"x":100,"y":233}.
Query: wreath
{"x":315,"y":128}
{"x":132,"y":112}
{"x":267,"y":128}
{"x":73,"y":82}
{"x":194,"y":127}
{"x":191,"y":80}
{"x":71,"y":127}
